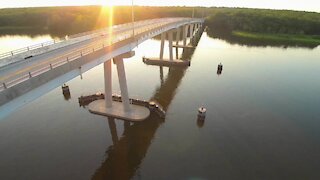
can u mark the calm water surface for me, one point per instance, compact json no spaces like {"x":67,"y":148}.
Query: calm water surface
{"x":13,"y":42}
{"x":262,"y":121}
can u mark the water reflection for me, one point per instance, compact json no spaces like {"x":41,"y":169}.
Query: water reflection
{"x":259,"y":43}
{"x":127,"y":153}
{"x":67,"y":95}
{"x":200,"y":122}
{"x":32,"y":32}
{"x":161,"y":75}
{"x":13,"y":42}
{"x":219,"y":69}
{"x":113,"y":130}
{"x":36,"y":31}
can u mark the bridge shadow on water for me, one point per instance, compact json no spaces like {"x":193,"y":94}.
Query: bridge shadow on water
{"x":125,"y":156}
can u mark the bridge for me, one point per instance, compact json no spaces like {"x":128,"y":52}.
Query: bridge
{"x":28,"y":73}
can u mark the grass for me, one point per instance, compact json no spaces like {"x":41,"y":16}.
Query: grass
{"x":287,"y":38}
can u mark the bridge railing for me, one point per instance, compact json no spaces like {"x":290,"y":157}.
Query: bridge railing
{"x":29,"y":48}
{"x":85,"y":51}
{"x":115,"y":27}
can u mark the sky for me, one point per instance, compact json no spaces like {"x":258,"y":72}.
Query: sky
{"x":302,"y":5}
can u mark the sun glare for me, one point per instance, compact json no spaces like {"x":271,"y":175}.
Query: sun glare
{"x":106,"y":14}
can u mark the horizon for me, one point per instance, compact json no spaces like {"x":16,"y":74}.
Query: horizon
{"x":95,"y":5}
{"x":276,"y":5}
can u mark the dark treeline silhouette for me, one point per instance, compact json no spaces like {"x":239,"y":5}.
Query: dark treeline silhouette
{"x":264,"y":21}
{"x":59,"y":21}
{"x":303,"y":27}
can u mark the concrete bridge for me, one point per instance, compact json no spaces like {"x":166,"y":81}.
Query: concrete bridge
{"x":117,"y":164}
{"x":29,"y":73}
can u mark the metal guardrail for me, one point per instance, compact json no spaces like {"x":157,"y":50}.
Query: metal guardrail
{"x":156,"y":28}
{"x":29,"y":48}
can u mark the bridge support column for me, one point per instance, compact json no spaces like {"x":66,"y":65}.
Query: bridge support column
{"x":185,"y":32}
{"x":178,"y":36}
{"x":123,"y":84}
{"x":170,"y":45}
{"x":163,"y":37}
{"x":108,"y":83}
{"x":177,"y":42}
{"x":191,"y":32}
{"x":197,"y":28}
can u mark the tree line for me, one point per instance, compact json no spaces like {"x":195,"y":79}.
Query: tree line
{"x":69,"y":20}
{"x":227,"y":20}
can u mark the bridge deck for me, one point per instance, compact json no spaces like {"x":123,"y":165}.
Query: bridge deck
{"x":23,"y":67}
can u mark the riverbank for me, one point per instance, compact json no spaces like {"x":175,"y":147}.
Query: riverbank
{"x":312,"y":40}
{"x":265,"y":27}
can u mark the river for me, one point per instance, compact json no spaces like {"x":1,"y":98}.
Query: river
{"x":262,"y":119}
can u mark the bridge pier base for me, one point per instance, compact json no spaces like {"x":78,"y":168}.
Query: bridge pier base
{"x":166,"y":62}
{"x":121,"y":110}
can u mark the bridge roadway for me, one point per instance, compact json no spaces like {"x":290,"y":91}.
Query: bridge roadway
{"x":15,"y":73}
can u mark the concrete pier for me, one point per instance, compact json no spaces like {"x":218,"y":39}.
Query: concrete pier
{"x":121,"y":110}
{"x":182,"y":46}
{"x":136,"y":113}
{"x":166,"y":62}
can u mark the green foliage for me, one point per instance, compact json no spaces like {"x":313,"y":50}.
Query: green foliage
{"x":264,"y":21}
{"x":60,"y":21}
{"x":70,"y":20}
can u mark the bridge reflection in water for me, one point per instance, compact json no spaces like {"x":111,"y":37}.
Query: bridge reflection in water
{"x":125,"y":156}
